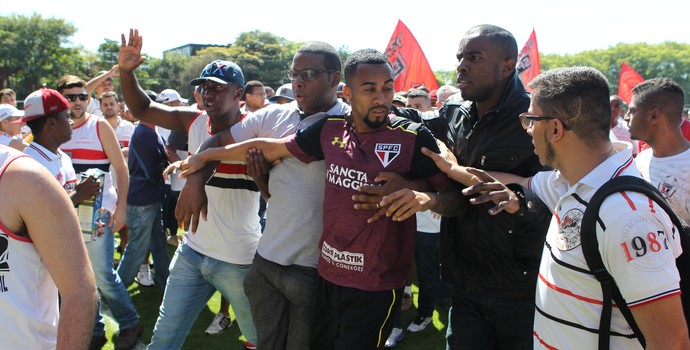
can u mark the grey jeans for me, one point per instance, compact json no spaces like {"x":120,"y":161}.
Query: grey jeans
{"x":280,"y":298}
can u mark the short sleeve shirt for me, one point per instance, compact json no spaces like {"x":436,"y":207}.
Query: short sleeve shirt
{"x":353,"y":253}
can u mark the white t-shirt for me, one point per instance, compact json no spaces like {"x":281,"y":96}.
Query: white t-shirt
{"x":428,"y":222}
{"x":643,"y":275}
{"x":60,"y":165}
{"x":295,"y":210}
{"x":671,"y":176}
{"x":232,"y":230}
{"x":94,"y":107}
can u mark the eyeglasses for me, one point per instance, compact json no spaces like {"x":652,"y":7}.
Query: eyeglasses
{"x":216,"y":88}
{"x":528,"y":120}
{"x":260,"y":94}
{"x":307,"y":74}
{"x":74,"y":97}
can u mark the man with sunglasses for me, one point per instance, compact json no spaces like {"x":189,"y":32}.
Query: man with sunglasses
{"x":94,"y":145}
{"x":217,"y":253}
{"x":491,"y":260}
{"x":280,"y":284}
{"x":362,"y":265}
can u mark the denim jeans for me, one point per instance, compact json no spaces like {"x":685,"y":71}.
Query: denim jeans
{"x":193,"y":279}
{"x":484,"y":322}
{"x":101,"y":252}
{"x":145,"y":233}
{"x":281,"y":301}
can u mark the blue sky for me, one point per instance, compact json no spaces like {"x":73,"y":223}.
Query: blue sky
{"x":561,"y":27}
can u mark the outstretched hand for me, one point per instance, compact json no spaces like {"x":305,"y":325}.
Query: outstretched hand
{"x":130,"y":52}
{"x":446,"y":161}
{"x":491,"y":190}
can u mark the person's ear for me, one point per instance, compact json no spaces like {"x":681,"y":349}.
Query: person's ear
{"x":507,"y":67}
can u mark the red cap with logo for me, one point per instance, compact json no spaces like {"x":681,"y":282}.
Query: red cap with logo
{"x":43,"y":102}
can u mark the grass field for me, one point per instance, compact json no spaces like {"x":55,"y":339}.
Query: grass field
{"x":147,"y":301}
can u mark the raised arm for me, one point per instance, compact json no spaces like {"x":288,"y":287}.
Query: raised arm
{"x":136,"y":99}
{"x":97,"y":80}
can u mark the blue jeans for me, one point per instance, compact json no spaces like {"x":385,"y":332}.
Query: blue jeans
{"x":145,"y":233}
{"x":101,"y":252}
{"x":484,"y":322}
{"x":281,"y":298}
{"x":193,"y":279}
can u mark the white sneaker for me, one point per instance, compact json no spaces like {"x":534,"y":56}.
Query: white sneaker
{"x":419,"y":324}
{"x":144,"y":276}
{"x":397,"y":335}
{"x":219,"y":324}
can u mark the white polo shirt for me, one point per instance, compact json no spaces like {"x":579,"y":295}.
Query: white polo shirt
{"x":637,"y":248}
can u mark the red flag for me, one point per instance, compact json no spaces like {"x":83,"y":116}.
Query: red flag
{"x":410,"y":67}
{"x":627,"y":81}
{"x":528,"y":61}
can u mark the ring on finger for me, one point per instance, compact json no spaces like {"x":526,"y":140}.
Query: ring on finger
{"x":378,"y":206}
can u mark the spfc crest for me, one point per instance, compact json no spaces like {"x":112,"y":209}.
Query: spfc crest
{"x":387,"y":152}
{"x":569,"y":230}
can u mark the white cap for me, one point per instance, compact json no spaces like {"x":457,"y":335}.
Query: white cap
{"x":170,"y":95}
{"x":284,"y":91}
{"x":7,"y":110}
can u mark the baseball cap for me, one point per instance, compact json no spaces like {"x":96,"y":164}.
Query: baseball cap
{"x":221,"y":72}
{"x":400,"y":98}
{"x":43,"y":102}
{"x":284,"y":91}
{"x":170,"y":95}
{"x":154,"y":96}
{"x":105,"y":72}
{"x":7,"y":110}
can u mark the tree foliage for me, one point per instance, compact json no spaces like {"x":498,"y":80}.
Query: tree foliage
{"x":35,"y":51}
{"x":669,"y":60}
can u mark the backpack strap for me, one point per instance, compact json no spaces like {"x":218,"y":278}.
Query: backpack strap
{"x":590,"y":249}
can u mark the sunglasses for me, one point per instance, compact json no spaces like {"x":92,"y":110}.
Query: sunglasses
{"x":307,"y":74}
{"x":528,"y":120}
{"x":74,"y":97}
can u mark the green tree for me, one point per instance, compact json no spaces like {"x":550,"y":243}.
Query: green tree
{"x":668,"y":59}
{"x":262,"y":56}
{"x":107,"y":54}
{"x":35,"y":51}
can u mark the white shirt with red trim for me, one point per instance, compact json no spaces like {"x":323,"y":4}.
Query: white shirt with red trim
{"x":123,"y":132}
{"x":671,"y":176}
{"x":60,"y":165}
{"x":28,"y":296}
{"x":5,"y":139}
{"x":86,"y":151}
{"x":232,"y":231}
{"x":637,"y":248}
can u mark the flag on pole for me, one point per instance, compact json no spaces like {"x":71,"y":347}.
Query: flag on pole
{"x":627,"y":81}
{"x":528,"y":61}
{"x":410,"y":67}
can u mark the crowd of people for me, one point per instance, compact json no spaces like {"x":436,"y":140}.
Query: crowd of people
{"x":313,"y":207}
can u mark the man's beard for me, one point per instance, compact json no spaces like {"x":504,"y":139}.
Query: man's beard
{"x":74,"y":116}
